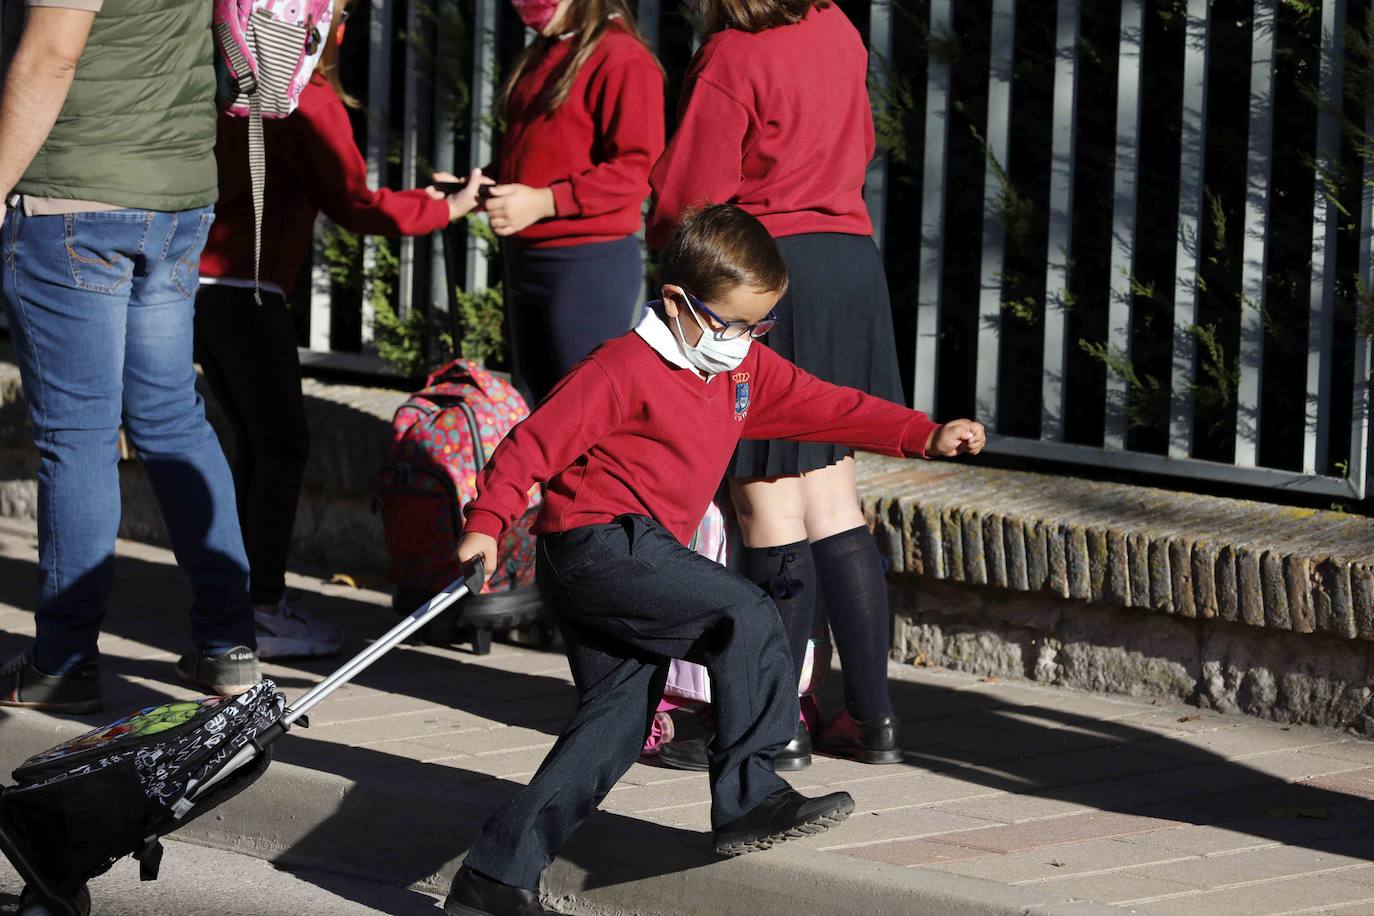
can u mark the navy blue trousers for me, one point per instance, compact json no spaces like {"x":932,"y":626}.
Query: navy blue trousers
{"x":563,"y":302}
{"x":628,"y":598}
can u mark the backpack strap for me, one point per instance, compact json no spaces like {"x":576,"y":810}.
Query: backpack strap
{"x":257,"y":173}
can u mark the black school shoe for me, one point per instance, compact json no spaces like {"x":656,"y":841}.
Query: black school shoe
{"x":472,"y":894}
{"x":874,"y":741}
{"x":690,"y":754}
{"x":77,"y":692}
{"x":784,"y":815}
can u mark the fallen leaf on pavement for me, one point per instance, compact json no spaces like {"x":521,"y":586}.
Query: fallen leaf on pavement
{"x":1320,"y":814}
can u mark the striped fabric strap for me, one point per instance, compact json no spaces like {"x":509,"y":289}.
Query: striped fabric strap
{"x":277,"y":47}
{"x":257,"y":171}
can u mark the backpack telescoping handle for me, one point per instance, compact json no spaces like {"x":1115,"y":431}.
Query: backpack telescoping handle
{"x":468,"y":583}
{"x":459,"y":588}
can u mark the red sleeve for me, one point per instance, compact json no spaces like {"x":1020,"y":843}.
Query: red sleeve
{"x":798,"y":406}
{"x":626,"y":101}
{"x":334,"y":174}
{"x":580,"y":410}
{"x":703,"y":163}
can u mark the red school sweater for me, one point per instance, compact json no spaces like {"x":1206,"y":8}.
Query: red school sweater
{"x":595,"y":150}
{"x":313,"y":164}
{"x":777,"y":122}
{"x":627,"y":432}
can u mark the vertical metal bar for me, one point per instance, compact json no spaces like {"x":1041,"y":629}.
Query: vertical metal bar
{"x":1191,"y":201}
{"x":1359,"y":405}
{"x":998,"y":137}
{"x":378,"y":127}
{"x":484,"y":22}
{"x":1325,"y":225}
{"x":405,"y":280}
{"x":321,"y":289}
{"x":933,"y":205}
{"x":648,"y":16}
{"x":445,"y":156}
{"x":1060,"y":248}
{"x":1259,"y":160}
{"x":880,"y":59}
{"x":1125,"y":181}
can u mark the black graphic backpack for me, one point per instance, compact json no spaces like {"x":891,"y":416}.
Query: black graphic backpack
{"x":115,"y":790}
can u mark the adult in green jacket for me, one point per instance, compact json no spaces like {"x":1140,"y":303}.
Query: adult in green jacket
{"x":107,"y":168}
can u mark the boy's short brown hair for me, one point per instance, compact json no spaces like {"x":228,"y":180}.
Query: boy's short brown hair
{"x":719,"y":247}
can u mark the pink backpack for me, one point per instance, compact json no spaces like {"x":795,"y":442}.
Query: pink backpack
{"x":440,"y":438}
{"x":267,"y":51}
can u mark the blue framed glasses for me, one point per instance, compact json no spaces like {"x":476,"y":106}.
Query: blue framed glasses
{"x":733,"y":330}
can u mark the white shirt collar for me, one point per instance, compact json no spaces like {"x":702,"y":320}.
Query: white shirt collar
{"x":656,"y":333}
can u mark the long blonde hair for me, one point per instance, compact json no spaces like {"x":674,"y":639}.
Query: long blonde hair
{"x":589,"y":20}
{"x":328,"y":67}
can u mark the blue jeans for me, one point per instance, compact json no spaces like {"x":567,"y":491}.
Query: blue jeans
{"x":101,"y":307}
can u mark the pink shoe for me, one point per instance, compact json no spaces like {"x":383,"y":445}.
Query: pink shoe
{"x":660,"y":733}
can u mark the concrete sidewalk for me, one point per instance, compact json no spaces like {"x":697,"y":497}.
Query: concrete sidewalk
{"x":1013,"y":798}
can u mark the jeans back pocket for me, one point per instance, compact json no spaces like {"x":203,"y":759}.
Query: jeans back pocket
{"x":102,"y":245}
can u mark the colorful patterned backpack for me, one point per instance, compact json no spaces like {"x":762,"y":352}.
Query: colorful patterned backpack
{"x":440,"y":438}
{"x":267,"y":51}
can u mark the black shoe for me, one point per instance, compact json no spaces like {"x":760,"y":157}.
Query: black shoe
{"x":784,"y":815}
{"x":690,"y":754}
{"x":76,"y":692}
{"x":874,"y":741}
{"x":225,"y":674}
{"x":472,"y":894}
{"x":797,"y":754}
{"x":684,"y":754}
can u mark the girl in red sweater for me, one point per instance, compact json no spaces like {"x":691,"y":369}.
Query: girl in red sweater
{"x":775,"y":117}
{"x":583,"y":110}
{"x":248,"y":351}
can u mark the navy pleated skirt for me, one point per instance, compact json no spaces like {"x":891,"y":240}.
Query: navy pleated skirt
{"x":835,"y":321}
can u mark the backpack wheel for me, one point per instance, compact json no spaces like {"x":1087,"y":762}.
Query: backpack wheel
{"x":79,"y":904}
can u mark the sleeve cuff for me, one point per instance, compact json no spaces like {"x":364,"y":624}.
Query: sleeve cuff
{"x":482,"y":522}
{"x":564,"y":203}
{"x":916,"y":434}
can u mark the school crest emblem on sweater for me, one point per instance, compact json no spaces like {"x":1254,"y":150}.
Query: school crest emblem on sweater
{"x":741,"y":380}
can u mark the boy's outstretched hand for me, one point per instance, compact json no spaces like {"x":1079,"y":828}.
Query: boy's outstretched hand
{"x":475,"y":544}
{"x":957,"y":437}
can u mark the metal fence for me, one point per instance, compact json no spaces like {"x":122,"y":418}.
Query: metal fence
{"x":1337,"y":360}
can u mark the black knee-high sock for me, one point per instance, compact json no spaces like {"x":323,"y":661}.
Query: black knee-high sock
{"x":850,"y":571}
{"x":788,"y":576}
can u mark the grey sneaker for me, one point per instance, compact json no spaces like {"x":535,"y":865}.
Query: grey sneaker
{"x":76,"y":692}
{"x":233,"y":672}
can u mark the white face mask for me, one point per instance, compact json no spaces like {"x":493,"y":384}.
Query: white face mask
{"x":710,"y":355}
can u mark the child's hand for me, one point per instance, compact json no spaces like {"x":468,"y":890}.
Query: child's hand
{"x":466,"y":200}
{"x":957,"y":437}
{"x":514,"y":207}
{"x":475,"y":544}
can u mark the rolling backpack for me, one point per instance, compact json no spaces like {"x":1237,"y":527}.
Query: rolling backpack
{"x":267,"y":51}
{"x":117,"y":789}
{"x":440,"y":439}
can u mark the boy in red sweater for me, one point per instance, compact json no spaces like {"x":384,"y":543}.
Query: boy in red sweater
{"x":631,"y":446}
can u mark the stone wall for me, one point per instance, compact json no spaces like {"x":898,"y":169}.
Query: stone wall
{"x":1233,"y":604}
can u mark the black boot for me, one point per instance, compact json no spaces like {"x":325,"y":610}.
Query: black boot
{"x":784,"y":815}
{"x":797,"y":754}
{"x":874,"y":741}
{"x":474,"y":895}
